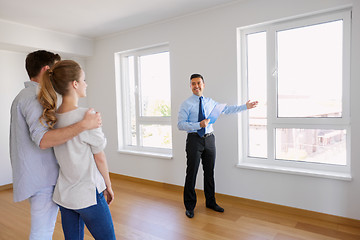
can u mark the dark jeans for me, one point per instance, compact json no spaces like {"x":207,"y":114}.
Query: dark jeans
{"x":97,"y":219}
{"x":199,"y":148}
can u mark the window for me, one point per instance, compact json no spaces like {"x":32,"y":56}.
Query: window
{"x":144,"y":110}
{"x":299,"y":72}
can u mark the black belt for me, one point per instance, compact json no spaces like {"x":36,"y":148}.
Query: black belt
{"x":205,"y":136}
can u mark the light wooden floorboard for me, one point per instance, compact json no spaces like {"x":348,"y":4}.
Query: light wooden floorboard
{"x":145,"y":210}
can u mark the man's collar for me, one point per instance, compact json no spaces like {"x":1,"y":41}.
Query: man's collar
{"x":196,"y":96}
{"x":30,"y":83}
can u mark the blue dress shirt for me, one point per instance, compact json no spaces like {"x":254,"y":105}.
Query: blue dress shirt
{"x":33,"y":168}
{"x":189,"y":111}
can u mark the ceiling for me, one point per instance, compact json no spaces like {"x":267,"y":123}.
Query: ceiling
{"x":96,"y":18}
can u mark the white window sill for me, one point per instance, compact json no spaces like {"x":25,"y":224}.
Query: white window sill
{"x":146,"y":154}
{"x":297,"y":171}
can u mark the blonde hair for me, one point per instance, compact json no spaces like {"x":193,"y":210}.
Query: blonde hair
{"x":56,"y":79}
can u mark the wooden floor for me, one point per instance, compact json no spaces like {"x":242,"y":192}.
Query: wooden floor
{"x":148,"y":210}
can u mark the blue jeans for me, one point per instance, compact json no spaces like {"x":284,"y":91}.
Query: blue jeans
{"x":97,"y":219}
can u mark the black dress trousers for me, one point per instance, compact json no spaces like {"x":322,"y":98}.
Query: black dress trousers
{"x":199,"y":148}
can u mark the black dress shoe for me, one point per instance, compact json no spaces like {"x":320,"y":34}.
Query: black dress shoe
{"x":216,"y":208}
{"x":189,"y":213}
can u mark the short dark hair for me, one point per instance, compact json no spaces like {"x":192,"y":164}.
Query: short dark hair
{"x":35,"y":61}
{"x":196,"y":75}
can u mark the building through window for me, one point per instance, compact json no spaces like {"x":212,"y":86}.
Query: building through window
{"x":145,"y":103}
{"x":299,"y":72}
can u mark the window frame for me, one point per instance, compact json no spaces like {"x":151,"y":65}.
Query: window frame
{"x":123,"y":104}
{"x":271,"y":163}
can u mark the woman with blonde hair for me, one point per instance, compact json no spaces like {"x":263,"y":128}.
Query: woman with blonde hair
{"x":83,"y":189}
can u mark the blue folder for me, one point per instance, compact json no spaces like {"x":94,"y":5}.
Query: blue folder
{"x":215,"y":113}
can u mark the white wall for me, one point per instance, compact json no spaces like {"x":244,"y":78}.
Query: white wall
{"x":16,"y":41}
{"x":19,"y":37}
{"x":206,"y":43}
{"x":12,"y":75}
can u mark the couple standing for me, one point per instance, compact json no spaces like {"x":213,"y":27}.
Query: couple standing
{"x":76,"y":165}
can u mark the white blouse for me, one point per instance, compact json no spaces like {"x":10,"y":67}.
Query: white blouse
{"x":79,"y":177}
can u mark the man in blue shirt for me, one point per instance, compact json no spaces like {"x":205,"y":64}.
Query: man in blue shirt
{"x":200,"y":143}
{"x":35,"y":169}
